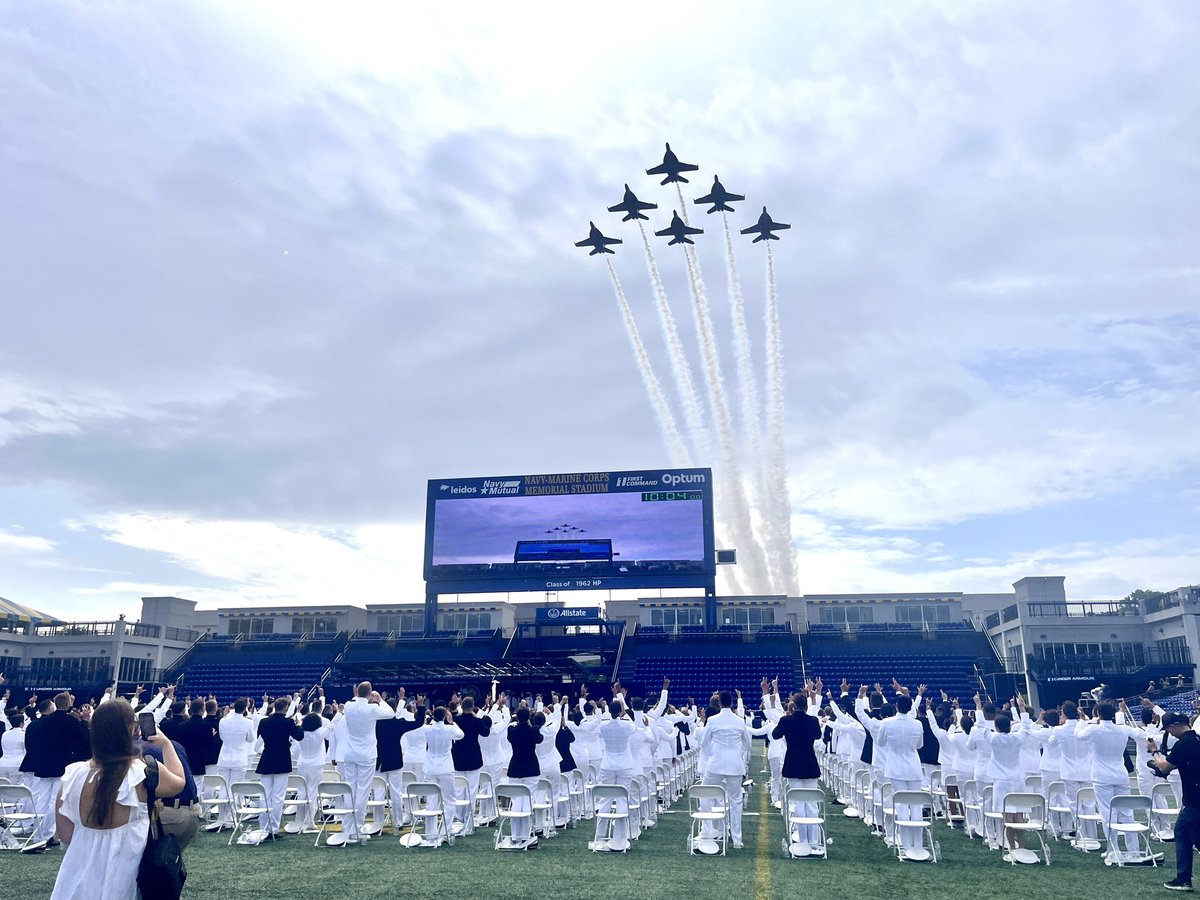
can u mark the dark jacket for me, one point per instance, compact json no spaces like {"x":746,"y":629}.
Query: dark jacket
{"x":465,"y":751}
{"x":524,"y":738}
{"x":195,"y":734}
{"x":800,"y":730}
{"x":562,"y":743}
{"x":387,"y":740}
{"x":277,"y":732}
{"x":53,"y":742}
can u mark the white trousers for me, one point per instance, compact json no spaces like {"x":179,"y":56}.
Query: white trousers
{"x":522,"y":826}
{"x":910,"y":838}
{"x":45,"y":796}
{"x":733,"y":794}
{"x":358,"y":775}
{"x":808,"y":834}
{"x":776,"y":766}
{"x":312,"y":779}
{"x":620,"y":827}
{"x":230,"y":774}
{"x":466,"y":813}
{"x":275,"y":787}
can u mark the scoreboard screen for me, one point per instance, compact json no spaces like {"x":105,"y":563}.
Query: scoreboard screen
{"x":577,"y":531}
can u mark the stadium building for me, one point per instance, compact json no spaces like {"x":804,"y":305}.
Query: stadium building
{"x":1030,"y":639}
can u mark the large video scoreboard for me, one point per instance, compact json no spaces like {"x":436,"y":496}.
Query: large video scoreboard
{"x":577,"y":531}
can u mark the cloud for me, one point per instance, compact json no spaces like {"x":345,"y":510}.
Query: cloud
{"x":302,"y":273}
{"x":233,"y":563}
{"x":11,"y":542}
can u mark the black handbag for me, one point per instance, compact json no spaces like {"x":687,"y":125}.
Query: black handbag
{"x":161,"y":874}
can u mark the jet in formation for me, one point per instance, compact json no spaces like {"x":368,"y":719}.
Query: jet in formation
{"x":598,"y":242}
{"x":678,"y":232}
{"x":632,"y":206}
{"x":764,"y":228}
{"x":671,"y":168}
{"x":719,"y":198}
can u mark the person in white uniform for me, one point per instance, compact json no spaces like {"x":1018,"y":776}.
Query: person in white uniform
{"x":727,"y":741}
{"x":900,"y":737}
{"x":359,"y":750}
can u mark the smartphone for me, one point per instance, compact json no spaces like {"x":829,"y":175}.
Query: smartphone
{"x":146,"y":723}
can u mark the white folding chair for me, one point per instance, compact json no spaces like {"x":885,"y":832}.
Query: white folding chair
{"x":1087,"y":811}
{"x":1060,"y":811}
{"x":613,"y":803}
{"x":464,"y":806}
{"x":1032,"y":808}
{"x":707,"y":805}
{"x":249,"y":802}
{"x":1129,"y":816}
{"x":216,"y":802}
{"x":972,"y":801}
{"x":513,"y":801}
{"x":796,"y":817}
{"x":920,"y":802}
{"x":335,"y":802}
{"x":543,"y":809}
{"x":17,"y":813}
{"x":576,"y":791}
{"x":485,"y":801}
{"x":427,"y":806}
{"x":1164,"y":810}
{"x":378,"y":804}
{"x":954,"y":805}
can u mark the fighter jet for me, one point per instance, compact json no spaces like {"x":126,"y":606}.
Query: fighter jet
{"x":632,"y":206}
{"x":671,"y":167}
{"x":597,"y":241}
{"x":764,"y":228}
{"x":678,"y":231}
{"x":719,"y":198}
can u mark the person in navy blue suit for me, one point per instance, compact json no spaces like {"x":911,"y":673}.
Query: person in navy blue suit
{"x":275,"y":765}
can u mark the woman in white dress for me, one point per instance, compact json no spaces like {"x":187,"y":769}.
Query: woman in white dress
{"x":102,"y":815}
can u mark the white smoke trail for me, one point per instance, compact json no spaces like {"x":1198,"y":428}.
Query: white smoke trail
{"x":750,"y":413}
{"x":681,"y":370}
{"x":732,"y":485}
{"x":779,"y":503}
{"x":666,"y":420}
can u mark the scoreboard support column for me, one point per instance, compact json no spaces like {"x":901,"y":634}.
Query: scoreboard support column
{"x":431,"y":605}
{"x":710,"y":605}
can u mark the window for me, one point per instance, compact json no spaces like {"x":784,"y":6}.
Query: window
{"x":675,"y":618}
{"x":748,"y":618}
{"x":406,"y":622}
{"x":252,"y":627}
{"x":923,"y":613}
{"x":466,"y":621}
{"x":315,"y":624}
{"x":75,"y":669}
{"x":846,"y":615}
{"x":136,"y":669}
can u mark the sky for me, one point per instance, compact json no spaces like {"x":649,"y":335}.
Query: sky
{"x":266,"y":268}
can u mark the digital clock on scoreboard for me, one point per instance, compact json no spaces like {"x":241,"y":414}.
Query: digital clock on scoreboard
{"x":672,"y":495}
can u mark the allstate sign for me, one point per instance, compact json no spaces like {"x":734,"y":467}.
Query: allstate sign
{"x":568,"y":615}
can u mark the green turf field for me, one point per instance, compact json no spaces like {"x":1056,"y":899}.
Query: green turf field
{"x":859,"y":867}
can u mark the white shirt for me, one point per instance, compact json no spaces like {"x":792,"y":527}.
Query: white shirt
{"x":615,"y":735}
{"x":900,"y":737}
{"x":312,"y":747}
{"x":728,"y":740}
{"x":439,"y":737}
{"x":361,"y":715}
{"x":1107,"y":741}
{"x":237,"y":738}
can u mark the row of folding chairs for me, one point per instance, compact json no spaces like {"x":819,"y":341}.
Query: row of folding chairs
{"x":1039,"y":810}
{"x":890,"y":814}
